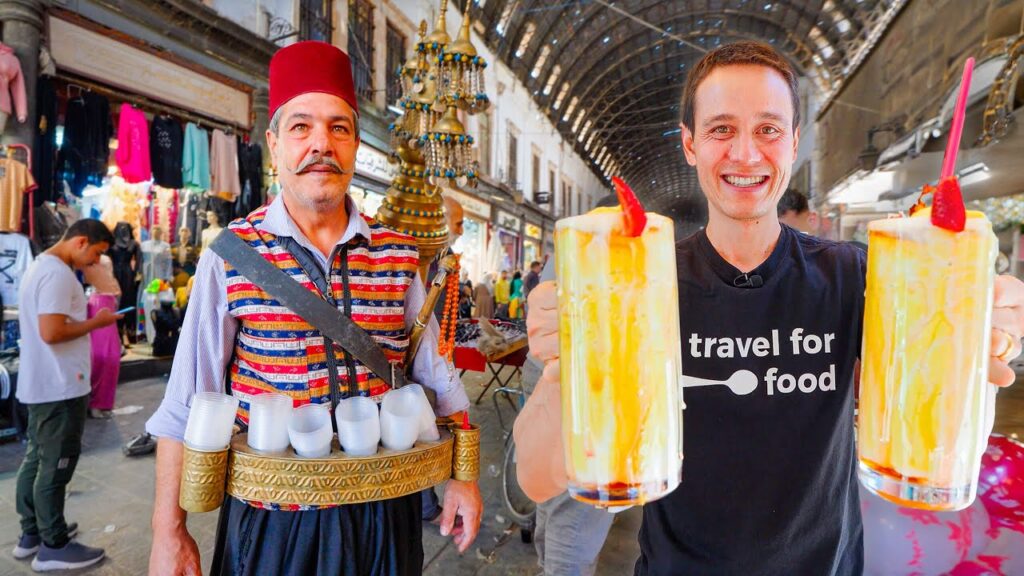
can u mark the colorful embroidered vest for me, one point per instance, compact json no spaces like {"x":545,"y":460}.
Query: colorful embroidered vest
{"x":277,"y":351}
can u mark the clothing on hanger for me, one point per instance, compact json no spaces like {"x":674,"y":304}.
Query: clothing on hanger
{"x":15,"y":181}
{"x":164,"y":206}
{"x":166,"y":142}
{"x":195,"y":161}
{"x":133,"y":145}
{"x":15,"y":257}
{"x":124,"y":203}
{"x":250,"y":172}
{"x":224,"y":166}
{"x":44,"y":145}
{"x":12,"y":84}
{"x":85,"y":150}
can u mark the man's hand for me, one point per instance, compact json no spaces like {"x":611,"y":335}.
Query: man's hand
{"x":461,"y":499}
{"x":57,"y":328}
{"x":540,"y":462}
{"x":1007,"y":329}
{"x":174,"y":553}
{"x":542,"y":322}
{"x":106,"y":317}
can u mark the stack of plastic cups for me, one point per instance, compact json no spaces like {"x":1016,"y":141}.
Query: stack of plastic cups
{"x":269,"y":415}
{"x":428,"y":421}
{"x":210,"y":421}
{"x":358,"y":426}
{"x":205,"y":461}
{"x":400,"y":418}
{"x":310,"y":430}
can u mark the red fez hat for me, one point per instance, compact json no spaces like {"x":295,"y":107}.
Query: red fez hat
{"x":310,"y":66}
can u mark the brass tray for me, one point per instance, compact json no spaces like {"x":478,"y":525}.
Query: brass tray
{"x":288,"y":479}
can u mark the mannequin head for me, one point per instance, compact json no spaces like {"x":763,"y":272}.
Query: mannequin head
{"x":184,"y":235}
{"x":158,"y":233}
{"x":211,"y":219}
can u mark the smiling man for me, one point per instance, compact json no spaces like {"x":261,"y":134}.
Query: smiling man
{"x":237,"y":332}
{"x":769,"y":478}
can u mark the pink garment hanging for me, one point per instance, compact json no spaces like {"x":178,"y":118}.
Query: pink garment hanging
{"x":106,"y":355}
{"x":133,"y":145}
{"x":224,"y":181}
{"x":12,"y":84}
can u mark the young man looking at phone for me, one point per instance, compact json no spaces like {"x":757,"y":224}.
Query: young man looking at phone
{"x":54,"y":384}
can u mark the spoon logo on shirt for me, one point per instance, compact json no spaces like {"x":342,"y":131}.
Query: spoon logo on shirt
{"x":744,"y":382}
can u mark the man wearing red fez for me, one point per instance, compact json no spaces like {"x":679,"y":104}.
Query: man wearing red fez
{"x":237,"y":336}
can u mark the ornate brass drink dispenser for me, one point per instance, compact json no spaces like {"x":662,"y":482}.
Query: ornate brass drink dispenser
{"x":428,"y":140}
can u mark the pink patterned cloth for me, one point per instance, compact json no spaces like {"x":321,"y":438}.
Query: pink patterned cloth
{"x":12,"y":84}
{"x":133,"y":145}
{"x":164,"y":205}
{"x":106,"y":355}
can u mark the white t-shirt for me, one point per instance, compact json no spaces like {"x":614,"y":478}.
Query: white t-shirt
{"x":51,"y":372}
{"x":15,"y":256}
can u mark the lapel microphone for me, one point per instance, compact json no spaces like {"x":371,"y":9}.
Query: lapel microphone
{"x":748,"y":281}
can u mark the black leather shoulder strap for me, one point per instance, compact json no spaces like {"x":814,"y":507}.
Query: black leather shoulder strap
{"x":320,"y":314}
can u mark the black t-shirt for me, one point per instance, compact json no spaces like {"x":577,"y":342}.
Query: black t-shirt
{"x":769,"y":477}
{"x":165,"y":149}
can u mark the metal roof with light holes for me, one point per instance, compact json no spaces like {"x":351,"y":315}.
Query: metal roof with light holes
{"x":610,"y":74}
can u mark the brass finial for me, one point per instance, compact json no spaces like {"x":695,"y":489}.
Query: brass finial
{"x":449,"y":123}
{"x":463,"y":45}
{"x":440,"y":33}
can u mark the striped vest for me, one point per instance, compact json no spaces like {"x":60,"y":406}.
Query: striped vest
{"x":277,"y":351}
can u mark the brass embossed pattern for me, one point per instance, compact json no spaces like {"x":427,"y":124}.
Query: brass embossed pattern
{"x":466,"y":465}
{"x":202,"y":480}
{"x":285,"y":478}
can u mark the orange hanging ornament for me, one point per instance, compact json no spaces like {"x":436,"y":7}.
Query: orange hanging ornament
{"x":446,"y":339}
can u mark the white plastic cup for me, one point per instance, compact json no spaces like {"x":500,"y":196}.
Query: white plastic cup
{"x":269,"y":414}
{"x":400,"y":419}
{"x":309,"y":430}
{"x":210,"y":421}
{"x":358,"y":426}
{"x":428,"y":421}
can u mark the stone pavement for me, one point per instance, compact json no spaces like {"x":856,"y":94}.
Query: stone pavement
{"x":111,"y":499}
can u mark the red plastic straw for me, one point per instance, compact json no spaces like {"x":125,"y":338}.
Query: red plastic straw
{"x":957,"y":129}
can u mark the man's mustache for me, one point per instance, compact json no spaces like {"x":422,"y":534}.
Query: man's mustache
{"x":320,"y":160}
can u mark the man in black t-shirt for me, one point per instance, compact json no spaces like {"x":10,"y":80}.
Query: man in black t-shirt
{"x":769,"y":479}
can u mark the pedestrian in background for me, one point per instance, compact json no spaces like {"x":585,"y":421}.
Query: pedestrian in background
{"x":502,"y":295}
{"x":484,"y":297}
{"x":105,"y":342}
{"x":54,"y":383}
{"x":532,"y":278}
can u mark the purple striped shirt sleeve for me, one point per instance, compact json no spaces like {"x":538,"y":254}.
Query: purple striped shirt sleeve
{"x":204,"y":349}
